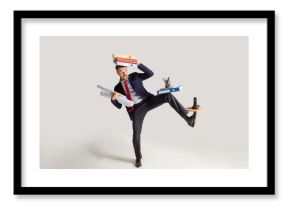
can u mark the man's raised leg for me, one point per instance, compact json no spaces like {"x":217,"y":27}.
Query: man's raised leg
{"x":158,"y":100}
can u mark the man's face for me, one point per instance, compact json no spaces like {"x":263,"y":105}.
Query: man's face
{"x":123,"y":73}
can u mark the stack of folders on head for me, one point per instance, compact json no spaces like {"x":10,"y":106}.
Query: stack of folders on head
{"x":124,"y":60}
{"x":169,"y":90}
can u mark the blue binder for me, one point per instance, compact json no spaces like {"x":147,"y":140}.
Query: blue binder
{"x":169,"y":90}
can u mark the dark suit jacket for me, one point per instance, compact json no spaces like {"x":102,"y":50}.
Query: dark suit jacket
{"x":135,"y":80}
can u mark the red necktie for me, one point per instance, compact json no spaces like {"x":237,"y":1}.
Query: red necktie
{"x":128,"y":93}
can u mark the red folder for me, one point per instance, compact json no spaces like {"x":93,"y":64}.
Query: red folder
{"x":126,"y":60}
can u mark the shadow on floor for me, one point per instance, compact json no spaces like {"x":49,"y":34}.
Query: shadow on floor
{"x":100,"y":153}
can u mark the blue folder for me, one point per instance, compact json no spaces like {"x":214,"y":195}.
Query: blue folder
{"x":169,"y":90}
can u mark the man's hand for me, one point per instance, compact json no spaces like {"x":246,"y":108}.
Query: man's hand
{"x":116,"y":95}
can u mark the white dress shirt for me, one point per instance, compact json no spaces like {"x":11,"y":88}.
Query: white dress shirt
{"x":135,"y":98}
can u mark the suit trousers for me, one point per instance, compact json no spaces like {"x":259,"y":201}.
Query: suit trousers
{"x":141,"y":109}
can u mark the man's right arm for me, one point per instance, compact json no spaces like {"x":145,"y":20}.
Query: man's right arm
{"x":114,"y":100}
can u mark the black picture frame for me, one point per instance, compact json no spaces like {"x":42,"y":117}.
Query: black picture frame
{"x":19,"y":189}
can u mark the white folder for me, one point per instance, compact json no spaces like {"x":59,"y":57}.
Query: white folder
{"x":106,"y":92}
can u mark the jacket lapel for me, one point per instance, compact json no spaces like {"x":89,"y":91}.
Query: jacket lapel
{"x":132,"y":82}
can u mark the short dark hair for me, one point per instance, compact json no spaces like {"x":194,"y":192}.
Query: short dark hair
{"x":119,"y":66}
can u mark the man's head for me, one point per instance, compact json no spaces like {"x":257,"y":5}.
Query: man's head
{"x":122,"y":72}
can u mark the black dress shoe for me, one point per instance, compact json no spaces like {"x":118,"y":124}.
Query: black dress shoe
{"x":191,"y":120}
{"x":138,"y":163}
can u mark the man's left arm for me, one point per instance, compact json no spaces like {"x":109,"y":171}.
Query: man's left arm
{"x":147,"y":73}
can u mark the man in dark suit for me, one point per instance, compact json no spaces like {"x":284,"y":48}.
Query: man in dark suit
{"x":132,"y":87}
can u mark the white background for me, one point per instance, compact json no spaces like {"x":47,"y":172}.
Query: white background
{"x":282,"y":140}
